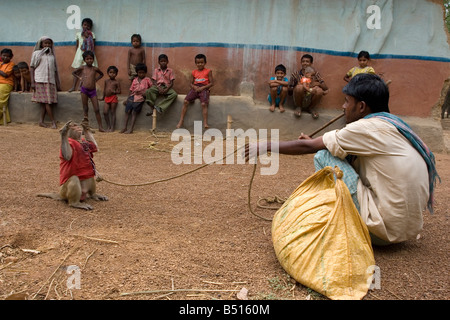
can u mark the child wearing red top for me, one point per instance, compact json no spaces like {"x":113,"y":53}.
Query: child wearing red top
{"x":202,"y":81}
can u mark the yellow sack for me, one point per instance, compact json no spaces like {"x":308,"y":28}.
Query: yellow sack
{"x":320,"y":239}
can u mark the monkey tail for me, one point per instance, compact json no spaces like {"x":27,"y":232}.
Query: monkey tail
{"x":53,"y":196}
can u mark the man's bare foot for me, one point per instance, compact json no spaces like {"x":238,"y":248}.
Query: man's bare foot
{"x":54,"y":125}
{"x":298,"y":112}
{"x":128,"y":131}
{"x":179,"y":125}
{"x":101,"y":129}
{"x":71,"y":89}
{"x":43,"y":125}
{"x":282,"y":109}
{"x":272,"y":108}
{"x":123,"y":130}
{"x":206,"y":126}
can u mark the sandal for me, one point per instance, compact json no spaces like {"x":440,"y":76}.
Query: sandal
{"x":298,"y":112}
{"x":314,"y":115}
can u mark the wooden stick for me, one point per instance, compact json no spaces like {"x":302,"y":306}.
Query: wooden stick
{"x":327,"y":124}
{"x":57,"y":268}
{"x":97,"y":239}
{"x":84,"y":266}
{"x":176,"y":290}
{"x":154,"y":120}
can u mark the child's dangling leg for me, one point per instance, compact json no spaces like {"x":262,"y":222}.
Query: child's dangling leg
{"x":205,"y":115}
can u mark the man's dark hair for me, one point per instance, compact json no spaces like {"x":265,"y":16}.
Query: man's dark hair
{"x":371,"y":89}
{"x":200,"y":56}
{"x":141,"y":66}
{"x":280,"y":67}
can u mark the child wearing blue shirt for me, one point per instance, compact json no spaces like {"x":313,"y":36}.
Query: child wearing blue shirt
{"x":278,"y":88}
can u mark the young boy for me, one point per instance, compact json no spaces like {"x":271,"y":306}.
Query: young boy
{"x":136,"y":55}
{"x":278,"y":88}
{"x":25,"y":82}
{"x":87,"y":74}
{"x":136,"y":96}
{"x":17,"y":79}
{"x":296,"y":89}
{"x":202,"y":81}
{"x":110,"y":92}
{"x":162,"y":80}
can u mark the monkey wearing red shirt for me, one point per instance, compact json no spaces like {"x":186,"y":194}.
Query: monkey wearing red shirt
{"x":77,"y":168}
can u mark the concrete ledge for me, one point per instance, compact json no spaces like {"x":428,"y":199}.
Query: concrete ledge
{"x":244,"y":111}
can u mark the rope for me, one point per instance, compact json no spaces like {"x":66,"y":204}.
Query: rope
{"x":268,"y":200}
{"x":99,"y":178}
{"x":277,"y":199}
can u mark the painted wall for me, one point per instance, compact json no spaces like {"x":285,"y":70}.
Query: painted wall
{"x":245,"y":39}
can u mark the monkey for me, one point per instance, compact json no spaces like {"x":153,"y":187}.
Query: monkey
{"x":77,"y":168}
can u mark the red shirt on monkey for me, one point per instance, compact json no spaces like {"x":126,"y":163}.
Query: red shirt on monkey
{"x":77,"y":168}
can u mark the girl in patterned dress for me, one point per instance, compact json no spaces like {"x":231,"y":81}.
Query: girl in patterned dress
{"x":45,"y":78}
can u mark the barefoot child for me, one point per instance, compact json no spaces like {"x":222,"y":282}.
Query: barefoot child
{"x":87,"y":74}
{"x":6,"y":84}
{"x":162,"y":79}
{"x":17,"y":79}
{"x":136,"y":96}
{"x":278,"y":88}
{"x":85,"y":41}
{"x":110,"y":92}
{"x":45,"y":78}
{"x":25,"y":75}
{"x":202,"y":81}
{"x":136,"y":55}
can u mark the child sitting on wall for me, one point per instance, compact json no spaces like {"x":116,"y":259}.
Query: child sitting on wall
{"x":278,"y":87}
{"x":363,"y":67}
{"x":202,"y":81}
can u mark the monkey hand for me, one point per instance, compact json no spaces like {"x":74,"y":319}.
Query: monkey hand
{"x":66,"y":128}
{"x":85,"y":126}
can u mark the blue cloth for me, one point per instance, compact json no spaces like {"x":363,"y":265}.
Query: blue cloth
{"x":323,"y":158}
{"x":418,"y":144}
{"x":277,"y":99}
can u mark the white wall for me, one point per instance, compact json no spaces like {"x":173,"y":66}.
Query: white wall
{"x":403,"y":27}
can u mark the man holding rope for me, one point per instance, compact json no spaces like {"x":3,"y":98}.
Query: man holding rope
{"x":387,"y":168}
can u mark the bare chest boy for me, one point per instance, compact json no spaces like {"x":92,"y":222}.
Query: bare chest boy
{"x":111,"y":87}
{"x":137,"y":55}
{"x":88,"y":77}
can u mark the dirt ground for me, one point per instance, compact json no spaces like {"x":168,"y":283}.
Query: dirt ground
{"x":188,"y":238}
